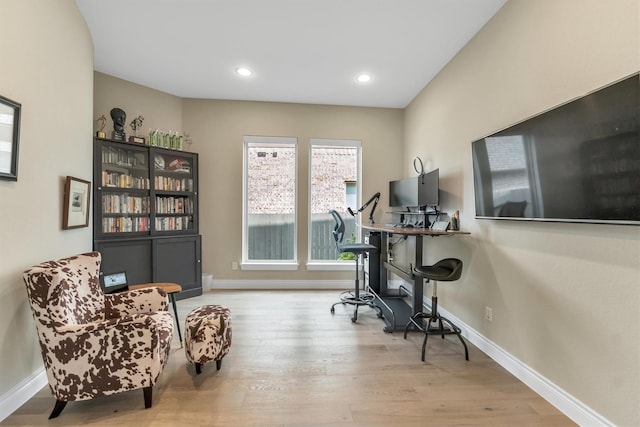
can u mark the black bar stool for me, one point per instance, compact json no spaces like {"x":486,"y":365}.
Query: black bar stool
{"x":355,"y":297}
{"x":446,"y":270}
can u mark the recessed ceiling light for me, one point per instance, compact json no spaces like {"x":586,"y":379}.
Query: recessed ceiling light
{"x":244,"y":71}
{"x":364,"y":78}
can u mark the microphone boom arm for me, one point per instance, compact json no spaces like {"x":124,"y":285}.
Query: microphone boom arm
{"x":375,"y":199}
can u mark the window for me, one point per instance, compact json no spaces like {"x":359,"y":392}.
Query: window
{"x":269,"y":208}
{"x":511,"y":176}
{"x":334,"y":183}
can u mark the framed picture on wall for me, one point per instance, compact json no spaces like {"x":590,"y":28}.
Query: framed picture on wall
{"x":9,"y":136}
{"x":77,"y":193}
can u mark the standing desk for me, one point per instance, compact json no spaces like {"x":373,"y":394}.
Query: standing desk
{"x":396,"y":312}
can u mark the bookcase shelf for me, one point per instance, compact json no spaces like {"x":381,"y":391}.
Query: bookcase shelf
{"x":145,"y":207}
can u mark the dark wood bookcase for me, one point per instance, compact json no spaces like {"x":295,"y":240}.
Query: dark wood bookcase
{"x":145,"y":211}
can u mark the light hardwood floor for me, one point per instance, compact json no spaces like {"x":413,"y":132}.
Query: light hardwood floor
{"x":294,"y":364}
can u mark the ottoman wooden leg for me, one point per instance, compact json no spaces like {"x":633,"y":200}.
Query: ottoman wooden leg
{"x":218,"y":364}
{"x":198,"y":368}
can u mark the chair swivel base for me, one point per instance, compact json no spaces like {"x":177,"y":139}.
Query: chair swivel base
{"x":357,"y":299}
{"x":441,"y":329}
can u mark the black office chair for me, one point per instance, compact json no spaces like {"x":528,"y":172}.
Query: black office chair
{"x":446,"y":270}
{"x":355,"y":297}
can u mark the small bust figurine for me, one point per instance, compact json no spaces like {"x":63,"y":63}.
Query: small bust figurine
{"x":119,"y":117}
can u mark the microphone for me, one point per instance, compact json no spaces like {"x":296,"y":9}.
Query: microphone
{"x":351,"y":212}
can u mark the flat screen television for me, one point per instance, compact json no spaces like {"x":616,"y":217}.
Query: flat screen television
{"x":579,"y":162}
{"x":420,"y":191}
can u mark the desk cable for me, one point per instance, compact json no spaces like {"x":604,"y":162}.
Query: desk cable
{"x":391,"y":244}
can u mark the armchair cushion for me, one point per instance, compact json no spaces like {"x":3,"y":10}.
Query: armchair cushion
{"x":144,"y":301}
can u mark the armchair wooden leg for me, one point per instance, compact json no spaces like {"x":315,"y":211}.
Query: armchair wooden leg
{"x":57,"y":409}
{"x":148,"y":394}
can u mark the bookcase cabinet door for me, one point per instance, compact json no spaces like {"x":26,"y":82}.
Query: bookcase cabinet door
{"x":174,"y":191}
{"x":177,"y":260}
{"x":121,"y":195}
{"x":131,"y":256}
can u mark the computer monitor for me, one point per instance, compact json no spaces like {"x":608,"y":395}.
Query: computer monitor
{"x":420,"y":191}
{"x":429,"y":189}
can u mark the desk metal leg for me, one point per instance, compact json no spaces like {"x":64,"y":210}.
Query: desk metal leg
{"x":172,"y":297}
{"x":418,"y":283}
{"x":384,"y":257}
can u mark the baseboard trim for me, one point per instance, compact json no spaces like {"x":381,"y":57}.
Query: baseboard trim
{"x":22,"y":392}
{"x":282,"y":284}
{"x":577,"y":411}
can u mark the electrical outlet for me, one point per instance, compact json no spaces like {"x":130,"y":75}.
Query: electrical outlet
{"x":488,"y":314}
{"x":234,"y":265}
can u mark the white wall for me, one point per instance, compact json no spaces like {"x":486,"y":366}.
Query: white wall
{"x":218,"y":127}
{"x":47,"y":66}
{"x":565,"y":297}
{"x":160,"y":110}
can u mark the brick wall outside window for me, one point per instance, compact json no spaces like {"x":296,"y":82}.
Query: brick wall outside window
{"x":273,"y":181}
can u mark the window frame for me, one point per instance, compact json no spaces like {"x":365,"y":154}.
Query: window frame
{"x":332,"y":265}
{"x":271,"y":264}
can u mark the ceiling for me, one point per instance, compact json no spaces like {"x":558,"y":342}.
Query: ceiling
{"x":301,"y":51}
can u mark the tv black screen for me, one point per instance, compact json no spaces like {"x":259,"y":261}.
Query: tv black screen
{"x":579,"y":162}
{"x":422,"y":190}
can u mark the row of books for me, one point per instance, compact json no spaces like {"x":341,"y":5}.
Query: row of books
{"x":123,"y":203}
{"x":125,"y":224}
{"x":173,"y":223}
{"x":173,"y":184}
{"x":174,"y":205}
{"x":120,"y":180}
{"x":120,"y":157}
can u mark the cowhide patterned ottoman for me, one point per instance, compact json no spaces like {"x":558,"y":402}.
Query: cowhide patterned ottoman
{"x":207,"y":335}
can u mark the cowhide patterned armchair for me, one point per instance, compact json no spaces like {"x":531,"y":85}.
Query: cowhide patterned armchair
{"x":96,"y":344}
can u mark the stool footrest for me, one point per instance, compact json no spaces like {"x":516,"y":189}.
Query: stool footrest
{"x":364,"y":298}
{"x":445,"y":327}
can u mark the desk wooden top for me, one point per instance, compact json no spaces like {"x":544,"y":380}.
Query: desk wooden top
{"x":169,"y":288}
{"x":412,"y":231}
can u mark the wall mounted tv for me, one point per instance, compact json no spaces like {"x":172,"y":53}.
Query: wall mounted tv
{"x":420,"y":191}
{"x":579,"y":162}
